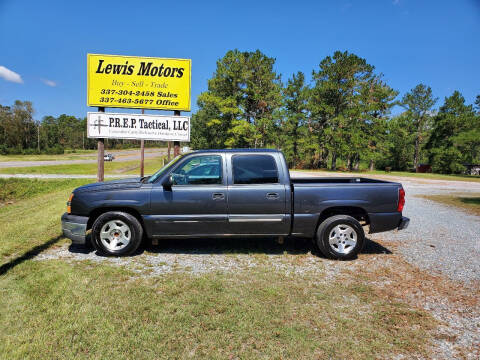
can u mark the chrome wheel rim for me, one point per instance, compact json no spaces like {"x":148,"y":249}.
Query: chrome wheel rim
{"x":115,"y":235}
{"x":342,"y":239}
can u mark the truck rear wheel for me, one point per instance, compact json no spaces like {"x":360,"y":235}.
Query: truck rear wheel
{"x":340,"y":237}
{"x":116,"y":233}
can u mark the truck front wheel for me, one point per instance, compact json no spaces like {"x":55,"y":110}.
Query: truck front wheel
{"x":340,"y":237}
{"x":116,"y":233}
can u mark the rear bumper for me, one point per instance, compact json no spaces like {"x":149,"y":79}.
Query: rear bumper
{"x":75,"y":228}
{"x":403,"y":223}
{"x":380,"y":222}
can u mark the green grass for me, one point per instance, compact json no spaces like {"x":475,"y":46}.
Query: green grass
{"x":471,"y":178}
{"x":12,"y":190}
{"x":87,"y":310}
{"x":36,"y":219}
{"x":77,"y":155}
{"x":115,"y":167}
{"x":75,"y":310}
{"x":468,"y":202}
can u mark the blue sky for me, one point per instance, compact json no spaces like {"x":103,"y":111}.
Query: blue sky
{"x":44,"y":43}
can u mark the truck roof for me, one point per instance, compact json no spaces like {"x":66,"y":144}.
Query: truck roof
{"x":238,"y":150}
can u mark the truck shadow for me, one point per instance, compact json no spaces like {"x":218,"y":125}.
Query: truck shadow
{"x":28,"y":255}
{"x":247,"y":246}
{"x":207,"y":246}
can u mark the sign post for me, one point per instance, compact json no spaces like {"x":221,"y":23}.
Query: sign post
{"x":101,"y":153}
{"x":176,"y":144}
{"x":142,"y":153}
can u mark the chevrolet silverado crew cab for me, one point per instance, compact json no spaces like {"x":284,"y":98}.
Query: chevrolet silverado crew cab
{"x":226,"y":193}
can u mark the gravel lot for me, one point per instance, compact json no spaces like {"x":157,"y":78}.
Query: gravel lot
{"x":440,"y":238}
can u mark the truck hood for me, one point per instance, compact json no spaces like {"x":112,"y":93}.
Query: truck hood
{"x":111,"y":185}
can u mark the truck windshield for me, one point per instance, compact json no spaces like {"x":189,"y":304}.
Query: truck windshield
{"x":160,"y":172}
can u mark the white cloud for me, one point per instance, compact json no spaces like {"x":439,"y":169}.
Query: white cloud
{"x":10,"y":75}
{"x":49,"y":82}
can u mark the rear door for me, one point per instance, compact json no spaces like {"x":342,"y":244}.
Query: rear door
{"x":256,"y":196}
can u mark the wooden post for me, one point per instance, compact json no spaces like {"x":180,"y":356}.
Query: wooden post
{"x":142,"y":153}
{"x":176,"y":144}
{"x":100,"y":155}
{"x":38,"y":137}
{"x":169,"y":144}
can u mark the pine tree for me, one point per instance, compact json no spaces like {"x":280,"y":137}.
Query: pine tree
{"x":455,"y":137}
{"x":293,"y":128}
{"x":238,"y":108}
{"x":418,"y":103}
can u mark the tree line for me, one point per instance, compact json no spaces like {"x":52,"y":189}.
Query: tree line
{"x":341,"y":118}
{"x":21,"y":134}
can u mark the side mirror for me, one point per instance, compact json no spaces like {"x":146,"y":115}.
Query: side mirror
{"x":167,"y":183}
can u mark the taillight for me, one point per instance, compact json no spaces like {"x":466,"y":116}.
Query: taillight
{"x":401,"y":199}
{"x":69,"y":204}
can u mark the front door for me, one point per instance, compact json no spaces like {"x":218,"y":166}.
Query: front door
{"x":196,"y":204}
{"x":256,"y":197}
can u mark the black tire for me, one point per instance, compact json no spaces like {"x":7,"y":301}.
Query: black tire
{"x":333,"y":251}
{"x":135,"y":233}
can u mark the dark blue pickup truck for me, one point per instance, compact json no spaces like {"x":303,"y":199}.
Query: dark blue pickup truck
{"x":226,"y":193}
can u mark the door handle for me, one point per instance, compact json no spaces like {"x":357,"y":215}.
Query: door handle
{"x":218,"y":196}
{"x":272,"y":196}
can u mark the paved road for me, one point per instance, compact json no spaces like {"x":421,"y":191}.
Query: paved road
{"x":61,"y":176}
{"x":120,"y":155}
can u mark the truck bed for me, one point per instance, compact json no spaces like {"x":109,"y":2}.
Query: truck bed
{"x":376,"y":199}
{"x":338,"y":180}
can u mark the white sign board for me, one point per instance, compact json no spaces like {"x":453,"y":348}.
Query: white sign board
{"x":138,"y":126}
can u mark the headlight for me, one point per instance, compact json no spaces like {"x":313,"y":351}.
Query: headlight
{"x":69,"y":204}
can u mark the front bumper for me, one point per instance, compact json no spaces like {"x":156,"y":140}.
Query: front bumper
{"x":75,"y":228}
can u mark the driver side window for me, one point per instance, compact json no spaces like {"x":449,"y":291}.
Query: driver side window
{"x":199,"y":170}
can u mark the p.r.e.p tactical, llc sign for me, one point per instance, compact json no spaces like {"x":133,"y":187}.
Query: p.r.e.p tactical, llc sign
{"x":138,"y":82}
{"x":131,"y":126}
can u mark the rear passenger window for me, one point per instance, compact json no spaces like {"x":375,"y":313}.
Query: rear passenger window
{"x":254,"y":169}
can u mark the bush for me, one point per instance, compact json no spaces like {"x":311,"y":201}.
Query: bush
{"x":54,"y":150}
{"x":447,"y":161}
{"x":30,"y":152}
{"x":3,"y":149}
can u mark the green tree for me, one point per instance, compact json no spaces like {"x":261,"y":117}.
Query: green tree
{"x":419,"y":102}
{"x":294,"y":117}
{"x":376,"y":99}
{"x":455,"y":137}
{"x":18,"y":127}
{"x":332,"y":103}
{"x":399,"y":143}
{"x":238,"y":108}
{"x":349,"y":104}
